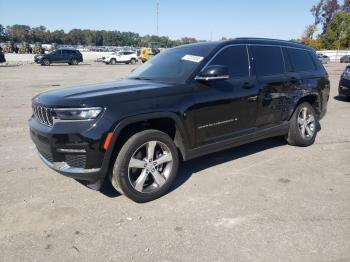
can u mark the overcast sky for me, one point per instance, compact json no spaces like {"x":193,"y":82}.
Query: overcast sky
{"x":201,"y":19}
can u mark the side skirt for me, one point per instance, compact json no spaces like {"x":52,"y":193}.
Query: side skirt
{"x":279,"y":130}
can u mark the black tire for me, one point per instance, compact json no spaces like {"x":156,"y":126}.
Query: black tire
{"x":122,"y":172}
{"x":298,"y":133}
{"x":45,"y":62}
{"x":133,"y":61}
{"x":74,"y":61}
{"x":113,"y":61}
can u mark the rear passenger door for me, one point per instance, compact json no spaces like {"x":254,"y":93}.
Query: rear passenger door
{"x":268,"y":66}
{"x":66,"y":56}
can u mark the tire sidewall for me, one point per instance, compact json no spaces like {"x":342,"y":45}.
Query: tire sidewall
{"x":120,"y":169}
{"x":113,"y":61}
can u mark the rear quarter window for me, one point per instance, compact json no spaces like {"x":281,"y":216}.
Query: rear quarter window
{"x":301,"y":60}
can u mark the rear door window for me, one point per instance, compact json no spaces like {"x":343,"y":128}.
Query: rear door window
{"x":268,"y":60}
{"x":235,"y":58}
{"x":301,"y":60}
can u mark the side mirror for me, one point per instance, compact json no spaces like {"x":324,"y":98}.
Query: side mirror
{"x":213,"y":73}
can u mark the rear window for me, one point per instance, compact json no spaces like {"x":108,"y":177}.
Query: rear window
{"x":301,"y":60}
{"x":268,"y":60}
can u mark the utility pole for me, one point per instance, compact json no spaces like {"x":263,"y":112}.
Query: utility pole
{"x":157,"y":17}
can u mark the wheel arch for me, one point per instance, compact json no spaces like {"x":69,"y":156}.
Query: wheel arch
{"x":166,"y":122}
{"x":313,"y":99}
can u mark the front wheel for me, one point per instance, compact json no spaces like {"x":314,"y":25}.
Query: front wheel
{"x":303,"y":126}
{"x":45,"y":62}
{"x":113,"y":61}
{"x":146,"y":166}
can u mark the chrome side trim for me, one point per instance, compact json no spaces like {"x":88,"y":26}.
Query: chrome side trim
{"x":64,"y":167}
{"x":204,"y":78}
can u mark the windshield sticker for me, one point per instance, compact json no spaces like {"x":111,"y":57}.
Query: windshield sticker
{"x":193,"y":58}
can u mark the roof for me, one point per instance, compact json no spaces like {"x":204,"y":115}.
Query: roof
{"x":252,"y":40}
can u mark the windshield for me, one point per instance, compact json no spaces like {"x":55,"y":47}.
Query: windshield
{"x":173,"y":65}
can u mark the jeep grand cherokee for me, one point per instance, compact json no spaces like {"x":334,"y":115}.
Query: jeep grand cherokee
{"x":186,"y":102}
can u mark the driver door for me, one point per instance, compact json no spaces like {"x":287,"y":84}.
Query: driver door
{"x":226,"y":108}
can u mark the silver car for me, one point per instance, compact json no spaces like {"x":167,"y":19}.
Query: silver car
{"x":323,"y":58}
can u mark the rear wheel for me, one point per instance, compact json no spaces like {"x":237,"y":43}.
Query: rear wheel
{"x":133,"y":61}
{"x":146,"y":166}
{"x":303,"y":126}
{"x":74,"y":62}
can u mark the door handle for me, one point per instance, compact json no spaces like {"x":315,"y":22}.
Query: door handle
{"x":252,"y":98}
{"x":248,"y":85}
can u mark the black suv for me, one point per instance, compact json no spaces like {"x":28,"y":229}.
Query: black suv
{"x":186,"y":102}
{"x":344,"y":84}
{"x":63,"y":55}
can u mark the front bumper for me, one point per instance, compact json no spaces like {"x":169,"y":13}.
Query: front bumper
{"x":37,"y":60}
{"x":344,"y":87}
{"x":72,"y":149}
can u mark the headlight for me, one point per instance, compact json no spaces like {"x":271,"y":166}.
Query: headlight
{"x":39,"y":56}
{"x":77,"y":113}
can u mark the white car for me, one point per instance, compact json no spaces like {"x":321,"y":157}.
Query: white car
{"x":323,"y":58}
{"x":127,"y":57}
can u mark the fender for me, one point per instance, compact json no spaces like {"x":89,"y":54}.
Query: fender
{"x":148,"y":116}
{"x":303,"y":96}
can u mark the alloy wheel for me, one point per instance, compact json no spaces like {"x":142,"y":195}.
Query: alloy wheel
{"x":150,"y":167}
{"x":306,"y":123}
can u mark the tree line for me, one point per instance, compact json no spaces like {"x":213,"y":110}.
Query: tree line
{"x":331,"y":26}
{"x":24,"y":33}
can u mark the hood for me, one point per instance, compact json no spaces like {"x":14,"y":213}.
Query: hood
{"x":100,"y":94}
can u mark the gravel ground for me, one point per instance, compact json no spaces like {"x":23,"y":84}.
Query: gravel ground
{"x":265,"y":201}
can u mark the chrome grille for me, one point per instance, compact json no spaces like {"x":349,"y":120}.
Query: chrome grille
{"x":43,"y":114}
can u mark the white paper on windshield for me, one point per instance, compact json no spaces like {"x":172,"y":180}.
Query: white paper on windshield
{"x":193,"y":58}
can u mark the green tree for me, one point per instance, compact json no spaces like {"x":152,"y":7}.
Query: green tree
{"x":2,"y":33}
{"x":18,"y":33}
{"x":337,"y":35}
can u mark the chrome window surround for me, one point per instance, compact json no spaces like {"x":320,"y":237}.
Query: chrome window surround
{"x":250,"y":58}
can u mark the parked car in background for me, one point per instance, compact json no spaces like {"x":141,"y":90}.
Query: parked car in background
{"x":345,"y":59}
{"x":187,"y":102}
{"x":323,"y":58}
{"x":127,"y":57}
{"x":344,"y":84}
{"x":62,"y":55}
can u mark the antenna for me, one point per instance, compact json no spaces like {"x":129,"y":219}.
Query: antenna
{"x":157,"y":17}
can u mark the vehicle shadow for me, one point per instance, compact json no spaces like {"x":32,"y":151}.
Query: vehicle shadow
{"x":342,"y":98}
{"x":187,"y":169}
{"x":64,"y":64}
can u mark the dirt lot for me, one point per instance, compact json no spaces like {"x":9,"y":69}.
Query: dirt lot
{"x":266,"y":201}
